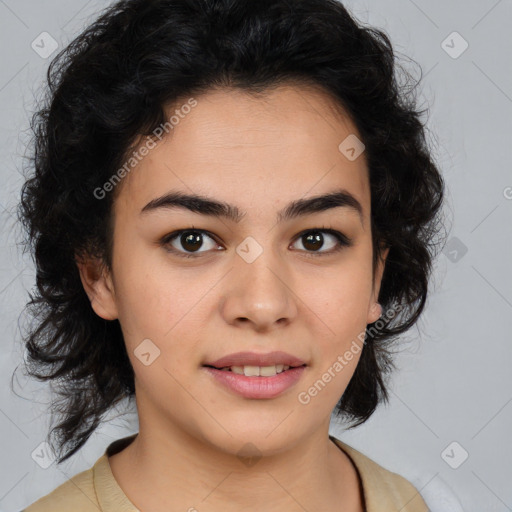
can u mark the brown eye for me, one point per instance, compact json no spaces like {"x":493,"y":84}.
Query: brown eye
{"x":187,"y":242}
{"x":314,"y":239}
{"x":191,"y":241}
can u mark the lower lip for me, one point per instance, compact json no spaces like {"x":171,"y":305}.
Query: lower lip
{"x":257,"y":387}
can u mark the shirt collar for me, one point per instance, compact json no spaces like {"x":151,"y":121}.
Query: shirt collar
{"x":111,"y":497}
{"x":383,"y":490}
{"x":373,"y":478}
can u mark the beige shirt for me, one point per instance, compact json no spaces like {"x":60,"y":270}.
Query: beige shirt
{"x":96,"y":489}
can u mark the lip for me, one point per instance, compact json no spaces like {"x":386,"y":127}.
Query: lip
{"x":257,"y":387}
{"x":255,"y":359}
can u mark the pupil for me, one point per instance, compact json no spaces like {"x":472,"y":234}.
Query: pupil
{"x":315,"y":241}
{"x":193,"y":241}
{"x":190,"y":239}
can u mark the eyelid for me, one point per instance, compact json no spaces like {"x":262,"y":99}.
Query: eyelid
{"x":166,"y":240}
{"x":342,"y":239}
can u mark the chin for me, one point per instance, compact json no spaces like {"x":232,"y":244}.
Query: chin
{"x":252,"y":442}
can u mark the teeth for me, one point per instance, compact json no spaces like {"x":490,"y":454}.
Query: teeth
{"x":258,"y":371}
{"x":254,"y":371}
{"x":268,"y":371}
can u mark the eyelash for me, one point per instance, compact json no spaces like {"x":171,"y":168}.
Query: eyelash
{"x":343,"y":241}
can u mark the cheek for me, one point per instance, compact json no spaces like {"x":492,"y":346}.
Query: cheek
{"x":341,"y":308}
{"x":162,"y":303}
{"x":158,"y":318}
{"x":145,"y":295}
{"x":142,"y":306}
{"x":344,"y":293}
{"x":339,"y":337}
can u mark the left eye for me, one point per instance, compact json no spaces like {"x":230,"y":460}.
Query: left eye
{"x":193,"y":239}
{"x":314,"y":240}
{"x":190,"y":239}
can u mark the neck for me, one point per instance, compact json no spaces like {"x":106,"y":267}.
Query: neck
{"x":165,"y":468}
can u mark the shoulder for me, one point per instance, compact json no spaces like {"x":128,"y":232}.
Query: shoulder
{"x":75,"y":494}
{"x":384,"y":490}
{"x":89,"y":491}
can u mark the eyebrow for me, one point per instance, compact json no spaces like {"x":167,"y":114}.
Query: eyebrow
{"x":214,"y":208}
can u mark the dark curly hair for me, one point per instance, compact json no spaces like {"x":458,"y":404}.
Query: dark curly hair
{"x":111,"y":85}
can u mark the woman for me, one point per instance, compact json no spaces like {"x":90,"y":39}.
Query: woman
{"x":232,"y":214}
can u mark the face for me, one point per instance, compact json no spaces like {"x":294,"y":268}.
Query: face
{"x":190,"y":285}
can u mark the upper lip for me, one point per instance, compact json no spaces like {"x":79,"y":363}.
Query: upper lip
{"x":255,"y":359}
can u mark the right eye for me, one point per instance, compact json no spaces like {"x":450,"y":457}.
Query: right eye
{"x":189,"y":239}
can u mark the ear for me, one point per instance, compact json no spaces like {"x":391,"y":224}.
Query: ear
{"x":98,"y":285}
{"x":375,"y":309}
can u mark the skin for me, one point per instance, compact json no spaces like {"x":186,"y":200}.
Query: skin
{"x":258,"y":154}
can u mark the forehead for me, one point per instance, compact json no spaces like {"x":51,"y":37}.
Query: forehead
{"x":256,"y":151}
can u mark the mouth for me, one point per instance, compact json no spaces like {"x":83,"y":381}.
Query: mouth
{"x":256,"y":371}
{"x":241,"y":362}
{"x":254,"y":375}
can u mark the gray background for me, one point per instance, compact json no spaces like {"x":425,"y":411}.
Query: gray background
{"x":455,"y":383}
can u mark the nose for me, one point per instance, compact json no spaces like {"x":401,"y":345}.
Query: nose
{"x":259,"y":294}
